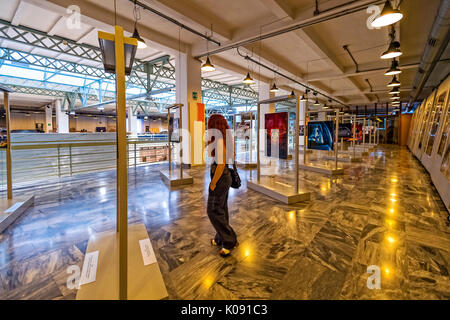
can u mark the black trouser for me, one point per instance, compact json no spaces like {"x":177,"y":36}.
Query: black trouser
{"x":218,"y":210}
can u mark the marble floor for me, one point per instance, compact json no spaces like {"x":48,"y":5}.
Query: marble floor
{"x":383,"y":212}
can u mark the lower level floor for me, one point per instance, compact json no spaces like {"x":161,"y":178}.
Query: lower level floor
{"x":382,"y":212}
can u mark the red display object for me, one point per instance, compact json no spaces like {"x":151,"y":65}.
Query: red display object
{"x":279,"y":138}
{"x":200,"y":112}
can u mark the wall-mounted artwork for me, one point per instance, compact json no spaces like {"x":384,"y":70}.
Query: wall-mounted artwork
{"x":276,"y":125}
{"x":320,"y":135}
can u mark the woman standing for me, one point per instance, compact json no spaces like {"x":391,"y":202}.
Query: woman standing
{"x":219,"y":186}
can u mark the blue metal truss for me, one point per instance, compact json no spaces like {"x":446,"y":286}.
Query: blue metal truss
{"x":146,"y":75}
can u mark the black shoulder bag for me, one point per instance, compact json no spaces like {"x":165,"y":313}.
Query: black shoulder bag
{"x":235,"y":179}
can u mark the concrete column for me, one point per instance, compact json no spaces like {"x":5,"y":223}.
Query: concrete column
{"x":62,"y":119}
{"x":48,"y":119}
{"x":264,"y":93}
{"x":132,"y":123}
{"x":189,"y":93}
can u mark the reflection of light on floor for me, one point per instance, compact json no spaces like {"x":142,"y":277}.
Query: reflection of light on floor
{"x":390,"y":223}
{"x":387,"y":271}
{"x":390,"y":239}
{"x":393,"y":200}
{"x":394,"y":180}
{"x":391,"y":211}
{"x":208,"y":281}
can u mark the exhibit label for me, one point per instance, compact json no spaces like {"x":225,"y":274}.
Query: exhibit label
{"x":148,"y":255}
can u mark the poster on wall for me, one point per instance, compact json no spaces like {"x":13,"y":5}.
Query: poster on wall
{"x":320,"y":135}
{"x":276,"y":125}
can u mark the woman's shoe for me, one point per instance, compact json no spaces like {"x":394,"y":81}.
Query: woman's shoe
{"x":224,"y":252}
{"x":214,"y":243}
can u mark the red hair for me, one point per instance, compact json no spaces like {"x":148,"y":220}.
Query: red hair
{"x":218,"y":122}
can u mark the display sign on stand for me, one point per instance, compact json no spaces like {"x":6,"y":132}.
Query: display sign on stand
{"x":328,"y":142}
{"x":10,"y":208}
{"x":119,"y":269}
{"x":171,"y":177}
{"x":243,"y":134}
{"x":268,"y":185}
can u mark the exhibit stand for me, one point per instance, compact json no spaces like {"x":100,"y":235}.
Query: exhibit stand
{"x":121,"y":263}
{"x":351,"y":156}
{"x":268,"y":185}
{"x":10,"y":208}
{"x":326,"y":168}
{"x":244,"y":130}
{"x":172,"y":177}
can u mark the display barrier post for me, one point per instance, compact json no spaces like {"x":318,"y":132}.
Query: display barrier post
{"x":169,"y":149}
{"x":336,"y":140}
{"x":8,"y":145}
{"x":258,"y":150}
{"x":364,"y":134}
{"x":354,"y":136}
{"x":297,"y":148}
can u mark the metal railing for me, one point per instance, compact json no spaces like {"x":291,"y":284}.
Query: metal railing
{"x":34,"y":161}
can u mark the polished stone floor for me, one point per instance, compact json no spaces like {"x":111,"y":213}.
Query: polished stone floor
{"x":382,"y":212}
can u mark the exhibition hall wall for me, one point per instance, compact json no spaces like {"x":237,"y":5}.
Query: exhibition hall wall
{"x":429,"y":138}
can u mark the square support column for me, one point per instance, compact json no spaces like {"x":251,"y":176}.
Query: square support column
{"x":48,"y":119}
{"x":62,"y":119}
{"x":132,"y":123}
{"x":189,"y":93}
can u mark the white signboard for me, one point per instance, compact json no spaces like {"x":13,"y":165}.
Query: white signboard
{"x":89,"y":272}
{"x":147,"y":251}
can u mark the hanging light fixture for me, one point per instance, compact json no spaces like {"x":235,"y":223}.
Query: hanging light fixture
{"x":274,"y":88}
{"x":141,"y":42}
{"x":305,"y":96}
{"x":208,"y":66}
{"x":393,"y":51}
{"x":137,"y":17}
{"x":292,"y":93}
{"x":248,"y":79}
{"x":316,"y":103}
{"x":394,"y":82}
{"x":395,"y":97}
{"x":393,"y":70}
{"x":394,"y":91}
{"x":387,"y":16}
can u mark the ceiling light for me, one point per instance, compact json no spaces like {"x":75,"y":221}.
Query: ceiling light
{"x":387,"y":16}
{"x":248,"y":79}
{"x":274,"y":88}
{"x":394,"y":91}
{"x":395,"y":97}
{"x":72,"y":112}
{"x":107,"y":48}
{"x":317,"y":103}
{"x":303,"y":98}
{"x":101,"y":107}
{"x":208,"y":66}
{"x":393,"y":51}
{"x":141,"y":42}
{"x":393,"y":70}
{"x":394,"y":82}
{"x":292,"y":93}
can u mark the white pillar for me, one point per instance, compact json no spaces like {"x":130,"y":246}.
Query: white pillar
{"x":48,"y":119}
{"x":264,"y":94}
{"x":132,"y":123}
{"x":62,"y":119}
{"x":188,"y":81}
